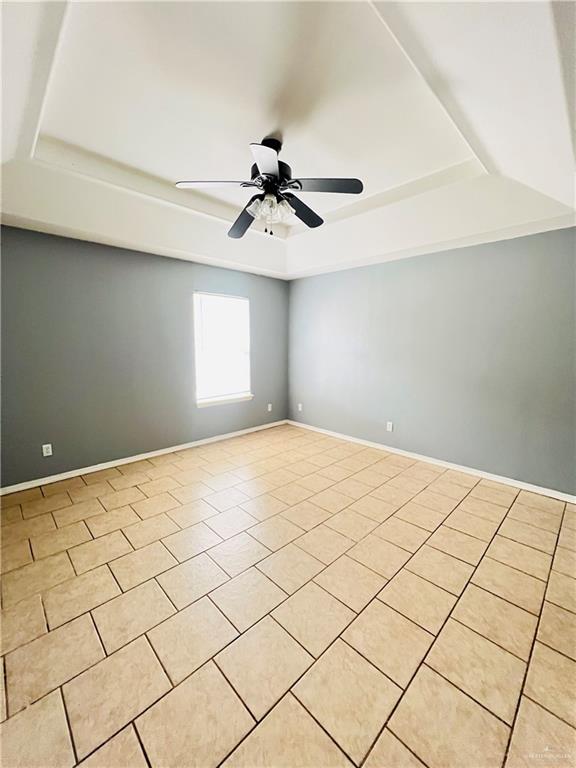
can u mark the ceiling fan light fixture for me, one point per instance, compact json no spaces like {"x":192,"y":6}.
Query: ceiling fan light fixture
{"x":270,"y":210}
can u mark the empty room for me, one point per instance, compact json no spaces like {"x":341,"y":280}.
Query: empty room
{"x":288,"y":384}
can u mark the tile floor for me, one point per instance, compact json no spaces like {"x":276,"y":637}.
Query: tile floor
{"x":287,"y":599}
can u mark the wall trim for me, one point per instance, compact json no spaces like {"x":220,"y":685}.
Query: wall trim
{"x":130,"y":459}
{"x":441,"y":463}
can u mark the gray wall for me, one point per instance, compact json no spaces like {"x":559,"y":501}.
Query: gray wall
{"x":470,"y":352}
{"x":97,"y":353}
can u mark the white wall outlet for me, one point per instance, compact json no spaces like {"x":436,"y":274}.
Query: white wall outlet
{"x":47,"y":449}
{"x":269,"y":407}
{"x":389,"y":426}
{"x":299,"y":406}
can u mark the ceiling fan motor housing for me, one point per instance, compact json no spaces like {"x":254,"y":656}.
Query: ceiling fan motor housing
{"x":284,"y":170}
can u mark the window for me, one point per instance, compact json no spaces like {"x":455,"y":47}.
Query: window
{"x":222,"y":342}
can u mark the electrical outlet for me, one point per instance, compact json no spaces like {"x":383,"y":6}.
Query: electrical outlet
{"x":269,"y":407}
{"x":389,"y":426}
{"x":47,"y":449}
{"x":300,"y":406}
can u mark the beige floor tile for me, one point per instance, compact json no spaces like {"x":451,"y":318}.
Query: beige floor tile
{"x":483,"y":670}
{"x":521,"y":557}
{"x":461,"y":478}
{"x":505,"y":624}
{"x":223,"y":500}
{"x":518,"y":588}
{"x":379,"y":555}
{"x":457,"y":544}
{"x":473,"y":525}
{"x":483,"y":509}
{"x":373,"y":508}
{"x":420,"y":516}
{"x":3,"y":704}
{"x":191,"y":541}
{"x":352,"y":487}
{"x":26,"y":528}
{"x":540,"y":737}
{"x":441,"y":569}
{"x":538,"y":501}
{"x":396,"y":497}
{"x":57,"y":541}
{"x":446,"y":728}
{"x":61,"y":486}
{"x":231,"y":522}
{"x":101,"y":474}
{"x":264,"y":506}
{"x":81,"y":511}
{"x":292,"y":493}
{"x":191,"y":637}
{"x":190,"y":514}
{"x":129,"y":480}
{"x":313,"y":617}
{"x":424,"y":603}
{"x":331,"y":500}
{"x":335,"y":473}
{"x":306,"y":515}
{"x":20,"y":497}
{"x":324,"y":544}
{"x":35,"y":577}
{"x":551,"y":682}
{"x":42,"y":506}
{"x":288,"y":738}
{"x":15,"y":555}
{"x":565,"y":562}
{"x":122,"y":751}
{"x":529,"y":535}
{"x":390,"y":752}
{"x":290,"y":568}
{"x":162,"y":502}
{"x":90,"y":491}
{"x":547,"y":521}
{"x":108,"y":522}
{"x":562,"y":591}
{"x":351,"y":582}
{"x":38,"y":737}
{"x":161,"y":485}
{"x":193,"y":492}
{"x":197,"y":724}
{"x":142,"y":565}
{"x":349,"y":697}
{"x":407,"y":482}
{"x":436,"y":501}
{"x":446,"y":488}
{"x":149,"y":530}
{"x":10,"y":515}
{"x":87,"y":556}
{"x":351,"y":524}
{"x":567,"y":538}
{"x":238,"y":553}
{"x":391,"y":642}
{"x":405,"y":535}
{"x":558,"y":629}
{"x":121,"y":498}
{"x":502,"y":496}
{"x":222,"y":480}
{"x":247,"y":597}
{"x":276,"y":532}
{"x":110,"y":694}
{"x":262,"y":664}
{"x":315,"y":482}
{"x":193,"y":579}
{"x":35,"y":669}
{"x":78,"y":595}
{"x":131,"y":614}
{"x":21,"y":624}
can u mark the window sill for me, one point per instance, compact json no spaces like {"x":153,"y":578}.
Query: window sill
{"x":208,"y":402}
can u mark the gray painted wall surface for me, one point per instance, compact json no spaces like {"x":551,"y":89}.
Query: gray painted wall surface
{"x":470,"y":352}
{"x":97,"y":353}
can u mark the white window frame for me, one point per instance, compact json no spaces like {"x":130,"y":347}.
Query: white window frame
{"x":234,"y":397}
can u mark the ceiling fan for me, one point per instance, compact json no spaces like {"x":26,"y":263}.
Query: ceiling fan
{"x":275,"y":201}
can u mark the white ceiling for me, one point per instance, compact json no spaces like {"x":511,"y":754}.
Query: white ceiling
{"x":455,"y":116}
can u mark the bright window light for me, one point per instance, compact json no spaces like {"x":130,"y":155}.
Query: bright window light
{"x":222,"y":343}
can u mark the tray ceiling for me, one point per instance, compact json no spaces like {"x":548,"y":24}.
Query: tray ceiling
{"x":108,"y":104}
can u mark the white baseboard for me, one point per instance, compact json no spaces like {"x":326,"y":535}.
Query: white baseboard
{"x":129,"y":459}
{"x":470,"y":470}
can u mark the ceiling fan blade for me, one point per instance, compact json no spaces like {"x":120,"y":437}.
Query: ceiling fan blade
{"x":266,"y":159}
{"x":243,"y":222}
{"x":303,"y":212}
{"x":345,"y":186}
{"x":205,"y":184}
